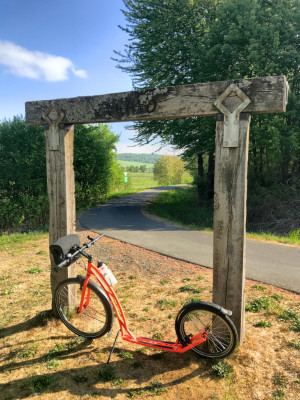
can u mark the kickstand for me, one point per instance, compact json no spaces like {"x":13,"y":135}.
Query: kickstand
{"x":112,"y":350}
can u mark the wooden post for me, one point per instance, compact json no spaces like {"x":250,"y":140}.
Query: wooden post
{"x":230,"y":222}
{"x":60,"y":183}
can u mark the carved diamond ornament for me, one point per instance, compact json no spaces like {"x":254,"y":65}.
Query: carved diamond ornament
{"x":231,"y":118}
{"x":53,"y":115}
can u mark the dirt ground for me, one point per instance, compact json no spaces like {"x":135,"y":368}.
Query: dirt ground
{"x":41,"y":358}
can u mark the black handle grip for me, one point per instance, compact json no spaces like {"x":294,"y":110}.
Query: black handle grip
{"x":79,"y":250}
{"x":61,"y":265}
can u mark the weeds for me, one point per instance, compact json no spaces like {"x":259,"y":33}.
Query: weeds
{"x":53,"y":364}
{"x":107,"y":373}
{"x":125,"y":355}
{"x":288,"y":315}
{"x":158,"y":336}
{"x":262,"y":324}
{"x":40,"y":384}
{"x":62,"y":348}
{"x":29,"y":352}
{"x":259,"y":287}
{"x":256,"y":305}
{"x":190,"y":288}
{"x":222,"y":369}
{"x":278,"y":394}
{"x":296,"y":345}
{"x":164,"y":303}
{"x":155,"y":389}
{"x":296,"y":326}
{"x":35,"y":270}
{"x":118,"y":382}
{"x":279,"y":380}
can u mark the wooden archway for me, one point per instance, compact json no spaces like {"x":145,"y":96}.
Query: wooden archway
{"x":236,"y":100}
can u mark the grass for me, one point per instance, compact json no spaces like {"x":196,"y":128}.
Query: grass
{"x":169,"y":205}
{"x":17,"y":240}
{"x":125,"y":164}
{"x":222,"y":369}
{"x":41,"y":358}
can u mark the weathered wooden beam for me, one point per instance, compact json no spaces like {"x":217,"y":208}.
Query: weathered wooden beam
{"x":267,"y":95}
{"x":230,"y":190}
{"x":61,"y":189}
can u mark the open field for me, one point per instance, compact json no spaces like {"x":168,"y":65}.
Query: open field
{"x":41,"y":359}
{"x":125,"y":164}
{"x":140,"y":180}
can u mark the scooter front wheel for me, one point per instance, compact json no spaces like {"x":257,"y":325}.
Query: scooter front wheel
{"x":198,"y":317}
{"x":96,"y":317}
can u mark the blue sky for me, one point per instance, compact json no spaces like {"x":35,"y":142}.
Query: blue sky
{"x":60,"y":49}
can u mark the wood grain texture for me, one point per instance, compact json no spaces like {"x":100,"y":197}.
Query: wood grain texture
{"x":61,"y":193}
{"x":230,"y":223}
{"x":267,"y":94}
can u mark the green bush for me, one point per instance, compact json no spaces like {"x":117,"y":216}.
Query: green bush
{"x":23,"y":182}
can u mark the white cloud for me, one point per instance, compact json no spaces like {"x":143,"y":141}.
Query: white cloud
{"x":35,"y":64}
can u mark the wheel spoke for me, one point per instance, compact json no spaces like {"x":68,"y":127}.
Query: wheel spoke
{"x":93,"y":320}
{"x":221,"y":338}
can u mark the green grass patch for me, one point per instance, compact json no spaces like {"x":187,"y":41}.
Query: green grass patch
{"x":125,"y":355}
{"x":262,"y":324}
{"x":158,"y":336}
{"x":222,"y":369}
{"x":125,"y":164}
{"x":288,"y":315}
{"x":256,"y":305}
{"x":295,"y":345}
{"x":107,"y":373}
{"x":40,"y":384}
{"x":170,"y":205}
{"x":259,"y":287}
{"x":155,"y":389}
{"x":296,"y":326}
{"x":190,"y":288}
{"x":11,"y":241}
{"x":35,"y":270}
{"x":53,"y":364}
{"x":164,"y":303}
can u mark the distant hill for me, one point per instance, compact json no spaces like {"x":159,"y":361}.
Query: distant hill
{"x":139,"y":158}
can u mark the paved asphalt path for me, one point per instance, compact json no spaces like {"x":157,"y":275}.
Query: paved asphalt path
{"x":123,"y":219}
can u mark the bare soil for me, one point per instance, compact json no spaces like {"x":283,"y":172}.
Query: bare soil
{"x":40,"y":358}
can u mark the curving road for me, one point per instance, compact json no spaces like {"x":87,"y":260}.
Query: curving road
{"x":123,"y":219}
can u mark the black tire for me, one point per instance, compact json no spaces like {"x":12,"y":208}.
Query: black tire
{"x":193,"y":318}
{"x":95,"y":320}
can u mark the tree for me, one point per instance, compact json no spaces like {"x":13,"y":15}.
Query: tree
{"x":23,"y":184}
{"x":175,"y":42}
{"x":23,"y":181}
{"x":168,"y":170}
{"x":95,"y":163}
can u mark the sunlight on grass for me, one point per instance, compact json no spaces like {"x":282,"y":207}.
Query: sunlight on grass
{"x":170,"y":205}
{"x":7,"y":241}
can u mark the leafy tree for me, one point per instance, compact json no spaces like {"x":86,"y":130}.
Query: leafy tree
{"x":22,"y":159}
{"x":175,"y":42}
{"x":23,"y":182}
{"x":95,"y":163}
{"x":168,"y":170}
